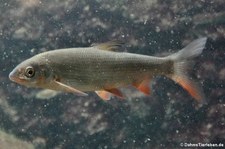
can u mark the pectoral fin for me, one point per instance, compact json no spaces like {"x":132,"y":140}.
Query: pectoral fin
{"x":63,"y":87}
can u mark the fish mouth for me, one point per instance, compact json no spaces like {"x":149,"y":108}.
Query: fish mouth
{"x":14,"y":77}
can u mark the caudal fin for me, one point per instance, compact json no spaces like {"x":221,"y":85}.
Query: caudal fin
{"x":182,"y":62}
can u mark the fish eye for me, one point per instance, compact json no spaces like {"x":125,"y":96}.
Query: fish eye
{"x":29,"y":72}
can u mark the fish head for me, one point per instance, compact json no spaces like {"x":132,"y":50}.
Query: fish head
{"x":31,"y":73}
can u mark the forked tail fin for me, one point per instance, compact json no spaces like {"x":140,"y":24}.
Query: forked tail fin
{"x":182,"y":62}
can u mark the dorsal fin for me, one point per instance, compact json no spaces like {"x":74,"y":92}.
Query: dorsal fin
{"x":109,"y":46}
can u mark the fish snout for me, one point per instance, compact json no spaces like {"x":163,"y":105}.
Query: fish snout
{"x":13,"y":76}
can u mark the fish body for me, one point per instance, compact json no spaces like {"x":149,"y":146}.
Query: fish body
{"x":92,"y":69}
{"x":98,"y":69}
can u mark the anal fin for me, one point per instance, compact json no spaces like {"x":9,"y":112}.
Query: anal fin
{"x":116,"y":92}
{"x":143,"y":86}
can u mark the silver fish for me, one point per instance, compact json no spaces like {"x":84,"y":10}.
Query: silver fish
{"x":104,"y":71}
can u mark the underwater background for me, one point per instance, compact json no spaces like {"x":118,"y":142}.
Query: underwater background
{"x":168,"y":118}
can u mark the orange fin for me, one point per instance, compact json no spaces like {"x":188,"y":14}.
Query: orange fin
{"x":116,"y":92}
{"x":182,"y":62}
{"x":107,"y":94}
{"x":103,"y":95}
{"x":63,"y":87}
{"x":190,"y":86}
{"x":144,"y":86}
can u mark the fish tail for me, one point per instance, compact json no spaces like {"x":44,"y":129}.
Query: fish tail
{"x":182,"y":63}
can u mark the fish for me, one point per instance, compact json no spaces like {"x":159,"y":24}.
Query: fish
{"x":101,"y":69}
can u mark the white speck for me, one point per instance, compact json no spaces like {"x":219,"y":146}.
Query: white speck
{"x":87,"y":8}
{"x":145,"y":22}
{"x":86,"y":104}
{"x":132,"y":16}
{"x":32,"y":50}
{"x":147,"y":140}
{"x":157,"y":29}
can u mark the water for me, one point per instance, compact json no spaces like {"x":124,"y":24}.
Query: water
{"x":168,"y":118}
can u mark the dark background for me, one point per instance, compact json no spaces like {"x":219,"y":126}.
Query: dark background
{"x":152,"y":27}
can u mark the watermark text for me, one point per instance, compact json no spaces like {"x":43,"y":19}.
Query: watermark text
{"x":202,"y":145}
